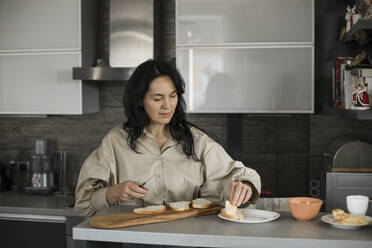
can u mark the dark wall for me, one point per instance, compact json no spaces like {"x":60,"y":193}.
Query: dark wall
{"x":285,"y":149}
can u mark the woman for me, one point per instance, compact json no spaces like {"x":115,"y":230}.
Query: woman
{"x":158,"y":146}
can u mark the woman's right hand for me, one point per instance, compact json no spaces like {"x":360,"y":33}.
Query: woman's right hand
{"x":126,"y":192}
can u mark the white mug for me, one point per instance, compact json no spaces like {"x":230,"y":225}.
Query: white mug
{"x":357,"y":204}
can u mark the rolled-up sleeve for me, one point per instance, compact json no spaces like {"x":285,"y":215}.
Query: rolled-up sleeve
{"x":95,"y":176}
{"x":220,"y":170}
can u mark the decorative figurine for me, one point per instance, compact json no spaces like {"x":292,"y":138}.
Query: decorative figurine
{"x":360,"y":98}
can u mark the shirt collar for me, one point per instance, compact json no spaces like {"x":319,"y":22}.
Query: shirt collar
{"x":171,"y":141}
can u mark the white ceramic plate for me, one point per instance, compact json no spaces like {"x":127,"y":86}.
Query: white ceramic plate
{"x":329,"y":219}
{"x":255,"y":216}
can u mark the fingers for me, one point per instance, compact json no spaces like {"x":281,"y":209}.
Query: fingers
{"x":232,"y":191}
{"x":236,"y":194}
{"x":248,"y":195}
{"x":130,"y":191}
{"x":241,"y":196}
{"x":136,"y":188}
{"x":135,"y":191}
{"x":239,"y":193}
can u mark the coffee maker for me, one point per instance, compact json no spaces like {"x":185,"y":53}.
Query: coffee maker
{"x":42,"y":176}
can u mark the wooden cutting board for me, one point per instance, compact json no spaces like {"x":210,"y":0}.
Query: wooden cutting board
{"x":132,"y":219}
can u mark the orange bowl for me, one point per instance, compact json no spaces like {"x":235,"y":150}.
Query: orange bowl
{"x":304,"y":208}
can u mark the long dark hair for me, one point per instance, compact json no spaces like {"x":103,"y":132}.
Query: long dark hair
{"x":137,"y":120}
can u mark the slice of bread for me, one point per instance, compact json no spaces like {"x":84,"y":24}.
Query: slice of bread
{"x":179,"y":206}
{"x":153,"y":209}
{"x":230,"y":209}
{"x":201,"y":203}
{"x":238,"y":216}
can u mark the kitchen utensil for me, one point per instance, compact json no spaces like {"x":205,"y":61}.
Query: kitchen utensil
{"x":255,"y":216}
{"x":357,"y":204}
{"x":143,"y":184}
{"x":131,"y":219}
{"x":304,"y":208}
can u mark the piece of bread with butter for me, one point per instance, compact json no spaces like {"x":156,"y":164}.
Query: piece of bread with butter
{"x":201,"y":203}
{"x":153,"y":209}
{"x":232,"y":212}
{"x":179,"y":206}
{"x":338,"y":214}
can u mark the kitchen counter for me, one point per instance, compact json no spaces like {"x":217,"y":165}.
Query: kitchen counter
{"x":12,"y":202}
{"x":211,"y":231}
{"x":33,"y":216}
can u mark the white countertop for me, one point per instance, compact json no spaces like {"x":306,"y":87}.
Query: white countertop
{"x":212,"y":231}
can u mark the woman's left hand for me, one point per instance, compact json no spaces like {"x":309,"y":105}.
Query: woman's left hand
{"x":240,"y":193}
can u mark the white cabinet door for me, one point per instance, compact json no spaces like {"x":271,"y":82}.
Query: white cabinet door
{"x":248,"y":80}
{"x":42,"y":83}
{"x":246,"y":56}
{"x":39,"y":46}
{"x":242,"y":21}
{"x":39,"y":24}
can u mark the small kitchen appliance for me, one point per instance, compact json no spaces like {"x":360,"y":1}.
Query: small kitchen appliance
{"x":42,"y":176}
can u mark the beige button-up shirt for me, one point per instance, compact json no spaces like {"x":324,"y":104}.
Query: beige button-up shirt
{"x":176,"y":177}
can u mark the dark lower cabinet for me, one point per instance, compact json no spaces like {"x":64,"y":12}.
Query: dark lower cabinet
{"x":23,"y":234}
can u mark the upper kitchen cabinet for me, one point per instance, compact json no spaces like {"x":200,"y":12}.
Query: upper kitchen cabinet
{"x":241,"y":21}
{"x":39,"y":24}
{"x":40,"y":43}
{"x":246,"y":56}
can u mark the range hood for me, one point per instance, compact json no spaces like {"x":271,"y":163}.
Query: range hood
{"x":131,"y":41}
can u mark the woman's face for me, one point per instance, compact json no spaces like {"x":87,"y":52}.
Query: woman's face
{"x":160,"y":100}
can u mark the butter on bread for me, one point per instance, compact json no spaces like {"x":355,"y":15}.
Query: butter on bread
{"x":338,"y":214}
{"x":230,"y":209}
{"x":232,"y":212}
{"x":179,"y":206}
{"x":201,"y":203}
{"x":153,"y":209}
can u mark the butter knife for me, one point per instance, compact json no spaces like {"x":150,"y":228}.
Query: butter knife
{"x":143,"y":184}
